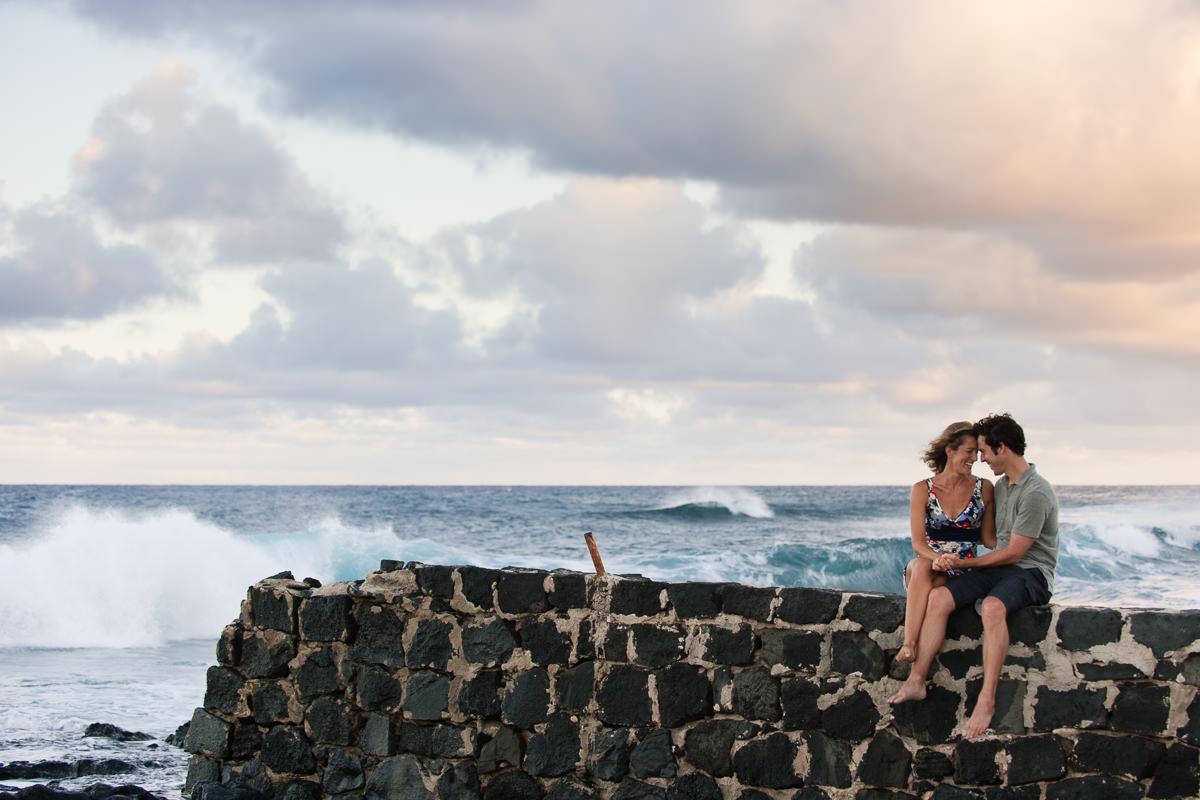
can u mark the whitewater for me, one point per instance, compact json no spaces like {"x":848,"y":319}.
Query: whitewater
{"x":112,"y":597}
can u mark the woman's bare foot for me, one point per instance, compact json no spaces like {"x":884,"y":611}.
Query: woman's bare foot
{"x":907,"y":654}
{"x":909,"y":691}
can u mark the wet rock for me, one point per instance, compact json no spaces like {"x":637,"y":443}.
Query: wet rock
{"x":108,"y":731}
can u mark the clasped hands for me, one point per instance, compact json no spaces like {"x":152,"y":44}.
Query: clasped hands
{"x":947,"y":562}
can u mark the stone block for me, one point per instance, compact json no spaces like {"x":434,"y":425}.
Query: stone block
{"x":527,"y":700}
{"x":1035,"y":758}
{"x":756,"y":695}
{"x":767,"y":762}
{"x":544,"y":642}
{"x":379,"y":736}
{"x":435,"y":581}
{"x":1165,"y":631}
{"x":804,"y":606}
{"x":459,"y":782}
{"x":553,"y":751}
{"x":731,"y":646}
{"x":488,"y":642}
{"x":1116,"y":755}
{"x":505,"y":748}
{"x":829,"y":760}
{"x":1141,"y":708}
{"x":608,"y":754}
{"x":330,"y":721}
{"x":522,"y":592}
{"x":685,"y":694}
{"x":318,"y":674}
{"x":959,"y":662}
{"x":343,"y":773}
{"x":640,"y":598}
{"x":512,"y":785}
{"x":855,"y":651}
{"x":297,"y":790}
{"x":656,"y":646}
{"x":964,"y":624}
{"x":223,"y":690}
{"x":976,"y":762}
{"x":430,"y":645}
{"x":751,"y":602}
{"x":326,"y":618}
{"x":852,"y":718}
{"x":1177,"y":774}
{"x":616,"y":642}
{"x":694,"y":786}
{"x":380,"y":636}
{"x":479,"y":697}
{"x":285,"y":748}
{"x":478,"y":586}
{"x":793,"y":649}
{"x":798,"y":698}
{"x":438,"y":740}
{"x":811,"y":793}
{"x":631,"y":789}
{"x":1094,"y":787}
{"x":653,"y":756}
{"x":399,"y":777}
{"x":585,"y":641}
{"x":883,"y":613}
{"x":1030,"y":625}
{"x":208,"y":735}
{"x":265,"y":654}
{"x":200,"y":770}
{"x":575,"y":687}
{"x":269,"y":703}
{"x":570,"y":788}
{"x":695,"y":600}
{"x":1082,"y":707}
{"x":568,"y":590}
{"x":272,"y":608}
{"x":1114,"y":671}
{"x":624,"y":696}
{"x":932,"y":765}
{"x":378,"y":690}
{"x":886,"y":762}
{"x":1085,"y":628}
{"x":709,"y":746}
{"x":229,"y":645}
{"x":427,"y":695}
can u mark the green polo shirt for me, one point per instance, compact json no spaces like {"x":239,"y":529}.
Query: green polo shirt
{"x":1029,"y":507}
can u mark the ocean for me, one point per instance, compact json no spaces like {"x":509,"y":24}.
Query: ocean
{"x":112,"y":597}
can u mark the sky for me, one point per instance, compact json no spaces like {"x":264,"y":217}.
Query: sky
{"x":631,"y":242}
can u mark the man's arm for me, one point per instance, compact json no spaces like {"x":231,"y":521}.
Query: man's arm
{"x":1018,"y":545}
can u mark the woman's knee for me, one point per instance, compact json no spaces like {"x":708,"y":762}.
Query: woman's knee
{"x":941,"y":601}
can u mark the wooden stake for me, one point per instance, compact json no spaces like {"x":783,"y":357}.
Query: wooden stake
{"x":591,"y":543}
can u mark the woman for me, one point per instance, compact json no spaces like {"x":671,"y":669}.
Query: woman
{"x":951,"y":512}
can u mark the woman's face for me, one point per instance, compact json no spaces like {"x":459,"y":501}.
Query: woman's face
{"x":962,"y":458}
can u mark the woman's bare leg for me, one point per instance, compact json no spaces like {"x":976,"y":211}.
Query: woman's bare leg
{"x":920,"y":580}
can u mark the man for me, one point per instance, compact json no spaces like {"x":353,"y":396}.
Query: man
{"x":1019,"y":572}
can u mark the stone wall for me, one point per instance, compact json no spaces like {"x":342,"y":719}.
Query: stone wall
{"x":459,"y":683}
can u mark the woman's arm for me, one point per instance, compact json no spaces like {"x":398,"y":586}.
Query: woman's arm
{"x":916,"y":520}
{"x":987,"y":536}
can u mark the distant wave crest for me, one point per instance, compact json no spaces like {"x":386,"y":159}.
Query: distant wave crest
{"x":703,"y":501}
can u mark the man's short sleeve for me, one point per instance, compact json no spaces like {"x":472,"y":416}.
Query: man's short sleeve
{"x":1030,"y":518}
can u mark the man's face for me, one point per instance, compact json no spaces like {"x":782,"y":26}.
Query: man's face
{"x":993,"y":458}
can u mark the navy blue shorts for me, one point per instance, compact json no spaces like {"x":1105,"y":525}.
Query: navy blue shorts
{"x":1014,"y":586}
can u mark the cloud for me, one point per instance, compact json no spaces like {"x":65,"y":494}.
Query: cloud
{"x":163,"y":154}
{"x":60,"y":270}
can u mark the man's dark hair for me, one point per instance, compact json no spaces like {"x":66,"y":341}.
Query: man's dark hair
{"x":1002,"y":429}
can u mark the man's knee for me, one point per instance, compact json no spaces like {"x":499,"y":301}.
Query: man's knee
{"x":993,"y":612}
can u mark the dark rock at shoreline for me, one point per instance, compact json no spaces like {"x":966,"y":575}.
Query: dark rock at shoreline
{"x":57,"y":770}
{"x":108,"y":731}
{"x":179,"y":736}
{"x":97,"y":791}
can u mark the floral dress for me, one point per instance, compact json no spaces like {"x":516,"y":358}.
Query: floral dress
{"x":958,"y":536}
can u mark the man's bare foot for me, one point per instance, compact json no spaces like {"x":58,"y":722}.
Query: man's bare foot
{"x":908,"y":653}
{"x":909,"y":691}
{"x":980,"y":719}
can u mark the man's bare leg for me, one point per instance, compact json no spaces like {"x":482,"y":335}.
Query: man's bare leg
{"x":933,"y":633}
{"x":995,"y":650}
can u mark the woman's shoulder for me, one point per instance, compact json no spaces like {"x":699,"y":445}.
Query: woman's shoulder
{"x":922,"y":484}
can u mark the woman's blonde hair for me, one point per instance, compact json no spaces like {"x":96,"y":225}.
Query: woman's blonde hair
{"x":935,"y":454}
